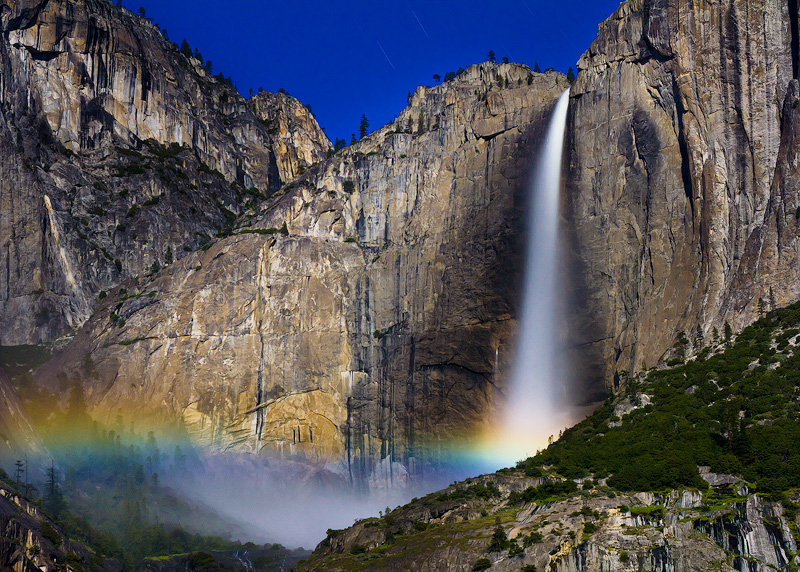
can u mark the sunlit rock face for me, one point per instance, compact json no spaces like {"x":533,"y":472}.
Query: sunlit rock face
{"x":116,"y":147}
{"x":682,"y":195}
{"x":371,"y":329}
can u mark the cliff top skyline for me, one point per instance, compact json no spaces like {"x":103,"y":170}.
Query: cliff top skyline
{"x":346,"y":59}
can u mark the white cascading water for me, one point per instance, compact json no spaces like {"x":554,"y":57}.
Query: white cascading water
{"x":535,"y":406}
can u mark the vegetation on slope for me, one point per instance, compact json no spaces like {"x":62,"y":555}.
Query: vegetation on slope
{"x":733,"y":408}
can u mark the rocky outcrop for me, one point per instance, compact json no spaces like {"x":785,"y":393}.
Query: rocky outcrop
{"x":680,"y":197}
{"x":297,"y":139}
{"x":456,"y":528}
{"x":360,"y":317}
{"x":30,"y":542}
{"x":119,"y":152}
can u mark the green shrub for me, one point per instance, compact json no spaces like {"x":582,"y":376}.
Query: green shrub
{"x":51,"y":534}
{"x":532,"y":538}
{"x":74,"y":561}
{"x":514,"y":549}
{"x":129,"y":170}
{"x":358,"y":549}
{"x":481,"y":564}
{"x":201,"y":561}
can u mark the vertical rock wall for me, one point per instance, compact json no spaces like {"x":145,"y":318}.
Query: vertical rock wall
{"x":678,"y":195}
{"x":101,"y":117}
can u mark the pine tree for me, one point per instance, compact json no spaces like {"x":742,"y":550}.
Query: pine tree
{"x":363,"y":126}
{"x":728,"y":331}
{"x":772,"y":304}
{"x":499,"y":540}
{"x":353,"y":139}
{"x":77,"y":409}
{"x":18,"y":472}
{"x":491,"y":57}
{"x":437,"y":77}
{"x":761,"y":307}
{"x":180,"y":459}
{"x":53,"y":498}
{"x":141,"y":11}
{"x":536,"y":68}
{"x":715,"y":333}
{"x":698,"y":339}
{"x":186,"y":50}
{"x":570,"y":75}
{"x":505,"y":60}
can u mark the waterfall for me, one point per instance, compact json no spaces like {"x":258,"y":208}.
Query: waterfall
{"x":535,"y":407}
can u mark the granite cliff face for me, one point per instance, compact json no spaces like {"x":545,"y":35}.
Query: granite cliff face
{"x":17,"y":436}
{"x":363,"y":315}
{"x":681,"y":200}
{"x":119,"y":152}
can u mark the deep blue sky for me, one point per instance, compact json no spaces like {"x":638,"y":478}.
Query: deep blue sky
{"x":329,"y":54}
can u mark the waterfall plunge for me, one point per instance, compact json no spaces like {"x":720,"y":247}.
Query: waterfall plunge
{"x":536,"y":406}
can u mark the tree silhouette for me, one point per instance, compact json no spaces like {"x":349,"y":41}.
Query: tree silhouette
{"x":363,"y":126}
{"x":491,"y":57}
{"x":570,"y":75}
{"x":536,"y":68}
{"x":186,"y":50}
{"x":141,"y":11}
{"x":437,"y":77}
{"x":19,"y":471}
{"x":53,"y":500}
